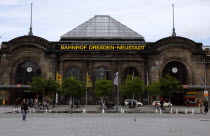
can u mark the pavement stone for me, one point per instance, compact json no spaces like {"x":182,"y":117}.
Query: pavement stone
{"x":143,"y":123}
{"x":112,"y":124}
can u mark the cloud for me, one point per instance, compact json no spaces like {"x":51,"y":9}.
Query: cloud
{"x":8,"y":2}
{"x":150,"y":18}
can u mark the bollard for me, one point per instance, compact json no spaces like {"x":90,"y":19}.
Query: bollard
{"x":171,"y":110}
{"x":30,"y":111}
{"x":13,"y":110}
{"x":156,"y":110}
{"x":121,"y":110}
{"x":186,"y":111}
{"x":50,"y":111}
{"x":46,"y":111}
{"x":176,"y":111}
{"x":83,"y":111}
{"x":102,"y":110}
{"x":160,"y":111}
{"x":192,"y":111}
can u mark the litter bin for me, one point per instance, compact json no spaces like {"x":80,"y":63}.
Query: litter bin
{"x":3,"y":102}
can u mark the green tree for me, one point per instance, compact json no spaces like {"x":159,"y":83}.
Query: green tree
{"x":133,"y":85}
{"x":154,"y":88}
{"x":169,"y":85}
{"x":73,"y":88}
{"x":37,"y":85}
{"x":50,"y":87}
{"x":103,"y":87}
{"x":44,"y":86}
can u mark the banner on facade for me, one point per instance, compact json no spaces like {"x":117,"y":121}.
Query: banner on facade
{"x":58,"y":78}
{"x":88,"y":82}
{"x":116,"y":79}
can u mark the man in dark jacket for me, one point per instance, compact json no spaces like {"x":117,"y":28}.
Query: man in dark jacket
{"x":206,"y":106}
{"x":24,"y":108}
{"x":16,"y":103}
{"x":161,"y":103}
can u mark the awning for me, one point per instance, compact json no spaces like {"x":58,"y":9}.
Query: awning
{"x":197,"y":87}
{"x":14,"y":86}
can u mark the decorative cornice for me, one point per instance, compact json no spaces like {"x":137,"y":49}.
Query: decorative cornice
{"x":23,"y":40}
{"x":175,"y":41}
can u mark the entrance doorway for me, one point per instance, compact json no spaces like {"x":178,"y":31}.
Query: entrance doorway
{"x":179,"y":71}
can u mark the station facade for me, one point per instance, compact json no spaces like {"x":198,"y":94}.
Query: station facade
{"x":101,"y":47}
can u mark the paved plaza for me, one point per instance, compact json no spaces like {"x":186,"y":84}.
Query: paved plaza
{"x":107,"y":124}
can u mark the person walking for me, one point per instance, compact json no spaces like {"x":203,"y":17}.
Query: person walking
{"x":200,"y":105}
{"x":24,"y":108}
{"x":206,"y":106}
{"x":161,"y":103}
{"x":187,"y":102}
{"x":48,"y":104}
{"x":16,"y":103}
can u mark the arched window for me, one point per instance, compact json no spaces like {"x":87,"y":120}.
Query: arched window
{"x":130,"y":71}
{"x":177,"y":70}
{"x":102,"y":73}
{"x":26,"y":71}
{"x":73,"y":72}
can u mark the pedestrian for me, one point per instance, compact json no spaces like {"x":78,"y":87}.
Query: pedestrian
{"x":187,"y":102}
{"x":200,"y":105}
{"x":116,"y":108}
{"x":48,"y":104}
{"x":24,"y":108}
{"x":35,"y":103}
{"x":206,"y":107}
{"x":16,"y":103}
{"x":161,"y":103}
{"x":31,"y":103}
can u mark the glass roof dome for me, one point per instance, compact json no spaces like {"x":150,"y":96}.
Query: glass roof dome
{"x":102,"y":27}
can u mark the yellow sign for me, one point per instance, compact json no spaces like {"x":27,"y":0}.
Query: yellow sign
{"x":191,"y":92}
{"x":102,"y":47}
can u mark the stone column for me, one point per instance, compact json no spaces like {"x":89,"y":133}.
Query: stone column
{"x":84,"y":70}
{"x":61,"y":69}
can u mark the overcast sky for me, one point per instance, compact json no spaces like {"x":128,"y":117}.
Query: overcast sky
{"x":150,"y":18}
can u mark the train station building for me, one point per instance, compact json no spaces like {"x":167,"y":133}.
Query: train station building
{"x":101,"y":47}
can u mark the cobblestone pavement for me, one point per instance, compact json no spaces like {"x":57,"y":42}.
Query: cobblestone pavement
{"x":108,"y":124}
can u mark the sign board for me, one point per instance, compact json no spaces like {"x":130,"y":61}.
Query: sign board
{"x":205,"y":93}
{"x":191,"y":92}
{"x":185,"y":86}
{"x":18,"y":85}
{"x":102,"y":47}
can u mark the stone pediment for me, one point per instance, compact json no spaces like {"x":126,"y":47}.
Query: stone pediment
{"x":175,"y":41}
